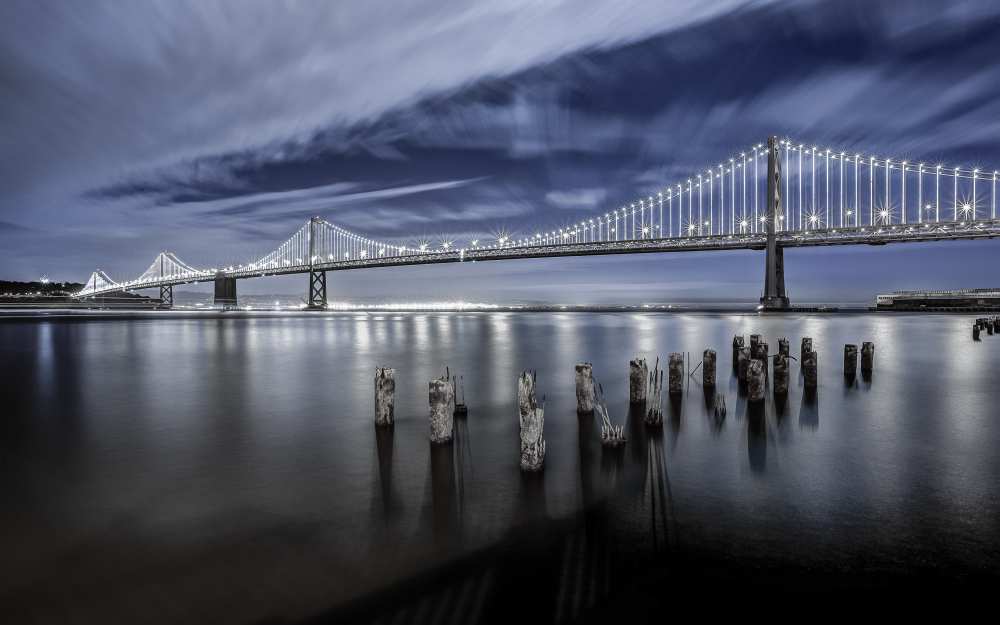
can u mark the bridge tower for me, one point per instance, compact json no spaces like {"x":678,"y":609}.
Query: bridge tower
{"x":317,"y":279}
{"x":166,"y":292}
{"x":774,"y":297}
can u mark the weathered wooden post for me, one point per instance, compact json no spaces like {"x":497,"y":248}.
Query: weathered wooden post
{"x":780,"y":375}
{"x":760,"y":353}
{"x":676,"y":373}
{"x":867,"y":358}
{"x":783,"y":347}
{"x":385,"y":395}
{"x":708,"y":368}
{"x":996,"y":324}
{"x":989,"y":327}
{"x":737,"y":346}
{"x":638,"y":376}
{"x":532,"y":422}
{"x":809,"y":369}
{"x":807,"y":345}
{"x":975,"y":332}
{"x":755,"y":382}
{"x":850,"y":361}
{"x":441,"y":396}
{"x":458,"y":392}
{"x":754,"y":341}
{"x":654,"y":409}
{"x":584,"y":388}
{"x":743,"y":365}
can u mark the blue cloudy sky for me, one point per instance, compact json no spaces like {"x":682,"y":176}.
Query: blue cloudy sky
{"x":214,"y":129}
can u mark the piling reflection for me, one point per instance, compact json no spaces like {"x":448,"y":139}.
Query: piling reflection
{"x":756,"y":437}
{"x":532,"y":505}
{"x":587,"y":434}
{"x":445,"y":509}
{"x":657,"y":492}
{"x":809,"y":409}
{"x":388,"y":498}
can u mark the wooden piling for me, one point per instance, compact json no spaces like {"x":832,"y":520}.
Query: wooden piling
{"x":850,"y":361}
{"x":737,"y":346}
{"x":708,"y":368}
{"x":676,"y":373}
{"x":638,"y":374}
{"x":975,"y":332}
{"x":780,"y":375}
{"x":654,"y":407}
{"x":385,"y":396}
{"x":807,"y":345}
{"x":809,"y":369}
{"x":584,"y":388}
{"x":867,"y":357}
{"x":759,"y":352}
{"x":458,"y":390}
{"x":441,"y":396}
{"x":755,"y":381}
{"x":743,"y":365}
{"x":783,"y":347}
{"x":532,"y":422}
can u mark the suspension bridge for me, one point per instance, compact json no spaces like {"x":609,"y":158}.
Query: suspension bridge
{"x":769,"y":197}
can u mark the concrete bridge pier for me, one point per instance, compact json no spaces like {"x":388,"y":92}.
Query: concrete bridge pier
{"x":774,"y":297}
{"x":167,"y":296}
{"x":225,"y":291}
{"x":317,"y":290}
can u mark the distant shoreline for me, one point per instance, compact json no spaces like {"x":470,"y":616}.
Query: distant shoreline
{"x":123,"y":314}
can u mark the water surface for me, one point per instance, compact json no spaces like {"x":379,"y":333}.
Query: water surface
{"x":226,"y":469}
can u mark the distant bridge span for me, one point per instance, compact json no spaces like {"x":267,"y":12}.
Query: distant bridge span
{"x":747,"y":205}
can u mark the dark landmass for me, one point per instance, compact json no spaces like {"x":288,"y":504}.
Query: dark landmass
{"x":58,"y":295}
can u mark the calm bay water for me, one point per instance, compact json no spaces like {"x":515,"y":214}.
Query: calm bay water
{"x":226,"y":469}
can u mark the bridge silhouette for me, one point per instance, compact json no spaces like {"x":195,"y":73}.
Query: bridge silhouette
{"x":770,"y":197}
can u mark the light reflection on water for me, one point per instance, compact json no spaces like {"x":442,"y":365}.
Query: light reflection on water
{"x":136,"y":448}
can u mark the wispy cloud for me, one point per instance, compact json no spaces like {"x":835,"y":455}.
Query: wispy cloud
{"x":579,"y":199}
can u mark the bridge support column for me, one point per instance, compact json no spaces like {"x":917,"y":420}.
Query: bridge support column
{"x":774,"y":297}
{"x":317,"y":290}
{"x":317,"y":279}
{"x":225,"y":291}
{"x":167,"y":296}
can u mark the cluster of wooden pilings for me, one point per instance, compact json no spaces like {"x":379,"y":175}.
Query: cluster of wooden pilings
{"x":990,"y":325}
{"x":752,"y":363}
{"x":851,"y":360}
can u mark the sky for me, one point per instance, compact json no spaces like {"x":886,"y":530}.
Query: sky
{"x":214,"y":129}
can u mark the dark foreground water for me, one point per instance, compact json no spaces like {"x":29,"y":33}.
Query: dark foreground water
{"x":226,"y":469}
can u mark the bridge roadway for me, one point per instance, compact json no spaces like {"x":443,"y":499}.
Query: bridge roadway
{"x":862,"y":235}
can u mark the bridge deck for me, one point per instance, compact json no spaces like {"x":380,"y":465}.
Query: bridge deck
{"x":864,"y":235}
